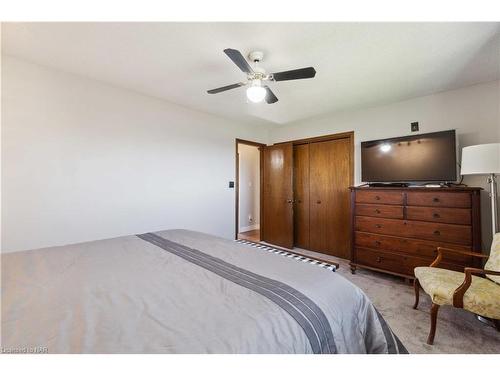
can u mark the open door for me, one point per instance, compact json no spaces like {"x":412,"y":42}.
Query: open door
{"x":277,"y":195}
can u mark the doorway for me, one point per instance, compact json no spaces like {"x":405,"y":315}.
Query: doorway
{"x":248,"y":190}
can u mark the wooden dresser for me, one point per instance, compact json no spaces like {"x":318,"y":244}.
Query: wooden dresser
{"x":395,"y":230}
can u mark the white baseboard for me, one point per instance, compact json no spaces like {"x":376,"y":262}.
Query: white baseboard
{"x":249,"y":228}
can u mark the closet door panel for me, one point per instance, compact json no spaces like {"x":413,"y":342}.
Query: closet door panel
{"x":301,"y":195}
{"x":277,"y":199}
{"x":329,"y":197}
{"x":319,"y":195}
{"x":339,"y":234}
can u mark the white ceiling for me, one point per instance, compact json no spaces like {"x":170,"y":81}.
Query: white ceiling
{"x":357,"y":64}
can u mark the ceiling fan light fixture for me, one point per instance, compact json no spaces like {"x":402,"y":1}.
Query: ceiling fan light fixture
{"x":256,"y":93}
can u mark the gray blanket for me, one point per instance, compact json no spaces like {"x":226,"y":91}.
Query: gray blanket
{"x":179,"y":291}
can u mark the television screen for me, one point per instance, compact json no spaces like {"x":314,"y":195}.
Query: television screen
{"x":423,"y":157}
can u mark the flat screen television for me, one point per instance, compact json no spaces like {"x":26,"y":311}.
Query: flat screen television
{"x":427,"y":157}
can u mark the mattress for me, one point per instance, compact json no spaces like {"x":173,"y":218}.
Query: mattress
{"x":179,"y":291}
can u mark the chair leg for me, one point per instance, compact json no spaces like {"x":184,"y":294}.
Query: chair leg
{"x":416,"y":285}
{"x":496,"y":322}
{"x":434,"y":313}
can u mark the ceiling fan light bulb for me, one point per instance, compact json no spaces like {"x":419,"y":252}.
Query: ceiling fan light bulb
{"x":256,"y":93}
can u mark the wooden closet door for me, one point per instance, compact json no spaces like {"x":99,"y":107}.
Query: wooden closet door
{"x":329,"y":197}
{"x":277,"y":195}
{"x":301,"y":195}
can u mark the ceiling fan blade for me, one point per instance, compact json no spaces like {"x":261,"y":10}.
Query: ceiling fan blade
{"x":225,"y":88}
{"x":295,"y":74}
{"x":238,"y":59}
{"x":270,"y":97}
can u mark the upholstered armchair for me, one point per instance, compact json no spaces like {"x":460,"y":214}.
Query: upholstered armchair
{"x":476,"y":290}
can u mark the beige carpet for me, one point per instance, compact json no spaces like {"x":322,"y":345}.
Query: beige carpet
{"x":458,"y":331}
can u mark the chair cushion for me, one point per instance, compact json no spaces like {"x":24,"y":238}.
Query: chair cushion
{"x":493,"y":263}
{"x":482,"y":297}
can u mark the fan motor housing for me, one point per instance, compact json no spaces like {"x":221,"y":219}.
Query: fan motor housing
{"x":256,"y":56}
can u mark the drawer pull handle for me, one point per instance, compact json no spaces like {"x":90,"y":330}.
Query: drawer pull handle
{"x":436,"y":199}
{"x":318,"y":202}
{"x":377,"y":243}
{"x":299,"y":201}
{"x":435,"y":215}
{"x":379,"y":259}
{"x":378,"y":225}
{"x":377,"y":198}
{"x":437,"y":233}
{"x":377,"y":211}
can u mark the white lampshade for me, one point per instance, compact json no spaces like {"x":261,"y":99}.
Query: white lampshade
{"x":256,"y":93}
{"x":481,"y":159}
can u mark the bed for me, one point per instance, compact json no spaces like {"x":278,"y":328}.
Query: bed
{"x":179,"y":291}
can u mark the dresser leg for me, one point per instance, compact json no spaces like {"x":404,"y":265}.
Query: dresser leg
{"x":353,"y":269}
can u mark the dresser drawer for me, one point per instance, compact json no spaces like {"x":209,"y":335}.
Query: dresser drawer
{"x":380,"y":210}
{"x":402,"y":264}
{"x":440,"y":214}
{"x":397,"y":263}
{"x":458,"y":234}
{"x":410,"y":246}
{"x":379,"y":197}
{"x":438,"y":199}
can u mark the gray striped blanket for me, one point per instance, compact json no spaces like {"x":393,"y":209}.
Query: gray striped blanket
{"x":180,"y":291}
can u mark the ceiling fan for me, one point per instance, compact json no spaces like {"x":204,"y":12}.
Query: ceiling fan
{"x":256,"y":76}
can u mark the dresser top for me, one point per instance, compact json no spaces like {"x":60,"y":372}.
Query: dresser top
{"x":418,"y":188}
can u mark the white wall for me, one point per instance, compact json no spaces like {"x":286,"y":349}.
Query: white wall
{"x":249,"y":196}
{"x":472,"y":111}
{"x":84,"y":160}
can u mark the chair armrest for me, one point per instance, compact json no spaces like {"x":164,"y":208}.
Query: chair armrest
{"x":442,"y":250}
{"x":458,"y":294}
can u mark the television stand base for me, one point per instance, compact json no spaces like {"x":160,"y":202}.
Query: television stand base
{"x":388,"y":184}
